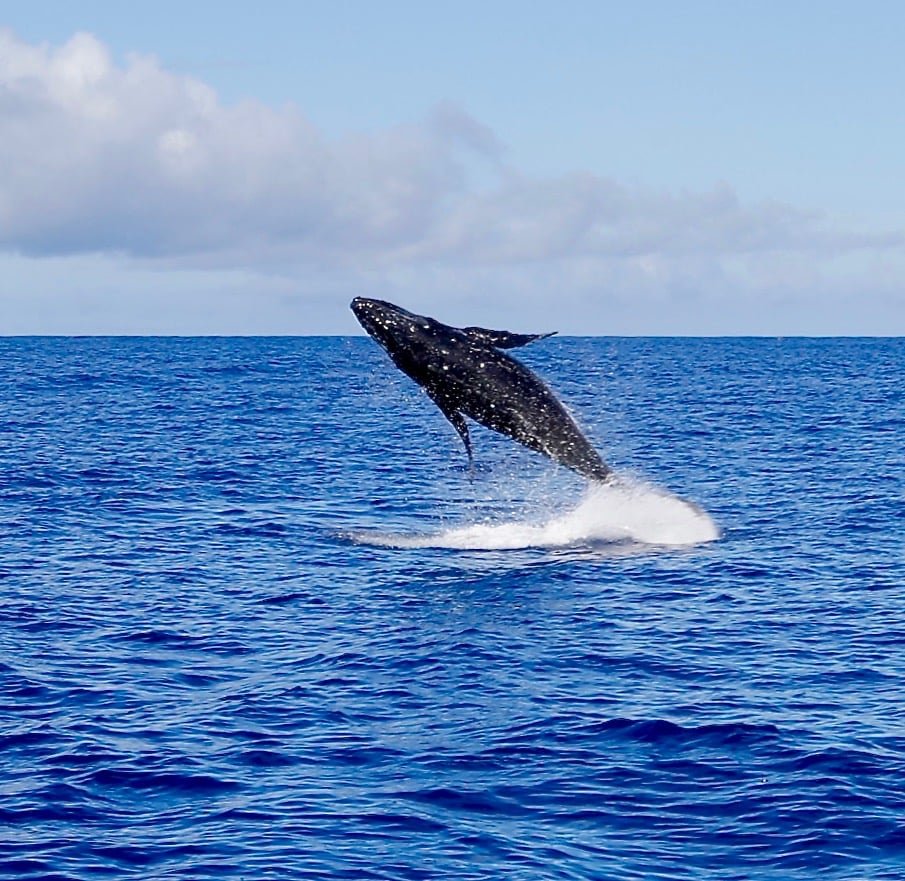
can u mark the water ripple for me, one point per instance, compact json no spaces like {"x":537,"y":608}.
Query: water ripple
{"x":200,"y":677}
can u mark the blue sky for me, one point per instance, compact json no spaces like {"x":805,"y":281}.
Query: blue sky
{"x":645,"y":168}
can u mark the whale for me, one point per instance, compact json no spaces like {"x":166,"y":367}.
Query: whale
{"x":466,"y":372}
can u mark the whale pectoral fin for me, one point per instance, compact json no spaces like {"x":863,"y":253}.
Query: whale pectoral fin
{"x":455,"y":416}
{"x":460,"y":425}
{"x":503,"y":339}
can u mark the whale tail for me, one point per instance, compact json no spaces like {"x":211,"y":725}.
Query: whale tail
{"x":601,"y":473}
{"x":589,"y":465}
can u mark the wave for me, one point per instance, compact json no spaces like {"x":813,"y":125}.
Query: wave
{"x":622,"y":512}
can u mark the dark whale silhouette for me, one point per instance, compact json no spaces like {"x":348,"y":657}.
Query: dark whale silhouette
{"x":465,"y":374}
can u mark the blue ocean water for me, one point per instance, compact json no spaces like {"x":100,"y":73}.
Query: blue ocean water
{"x":258,"y":621}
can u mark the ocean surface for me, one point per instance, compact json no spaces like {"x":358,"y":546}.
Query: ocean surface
{"x":258,"y":620}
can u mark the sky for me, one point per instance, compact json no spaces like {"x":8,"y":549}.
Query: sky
{"x":655,"y":168}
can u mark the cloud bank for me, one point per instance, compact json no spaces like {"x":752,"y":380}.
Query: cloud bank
{"x":135,"y":159}
{"x":130,"y":159}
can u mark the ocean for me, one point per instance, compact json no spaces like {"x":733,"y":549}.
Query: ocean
{"x":259,"y":620}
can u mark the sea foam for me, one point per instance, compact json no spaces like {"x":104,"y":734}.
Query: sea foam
{"x":624,"y":511}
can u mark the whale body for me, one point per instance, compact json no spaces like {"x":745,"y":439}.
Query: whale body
{"x":465,"y":372}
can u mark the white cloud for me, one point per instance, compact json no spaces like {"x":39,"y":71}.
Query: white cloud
{"x":136,"y":160}
{"x":151,"y":169}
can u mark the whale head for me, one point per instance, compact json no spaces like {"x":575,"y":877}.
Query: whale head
{"x":396,"y":329}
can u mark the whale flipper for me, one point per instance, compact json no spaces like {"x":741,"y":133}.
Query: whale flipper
{"x":454,"y":415}
{"x":503,"y":339}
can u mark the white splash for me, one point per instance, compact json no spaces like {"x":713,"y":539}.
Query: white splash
{"x":617,"y":513}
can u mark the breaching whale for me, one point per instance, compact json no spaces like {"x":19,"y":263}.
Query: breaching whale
{"x":465,"y":373}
